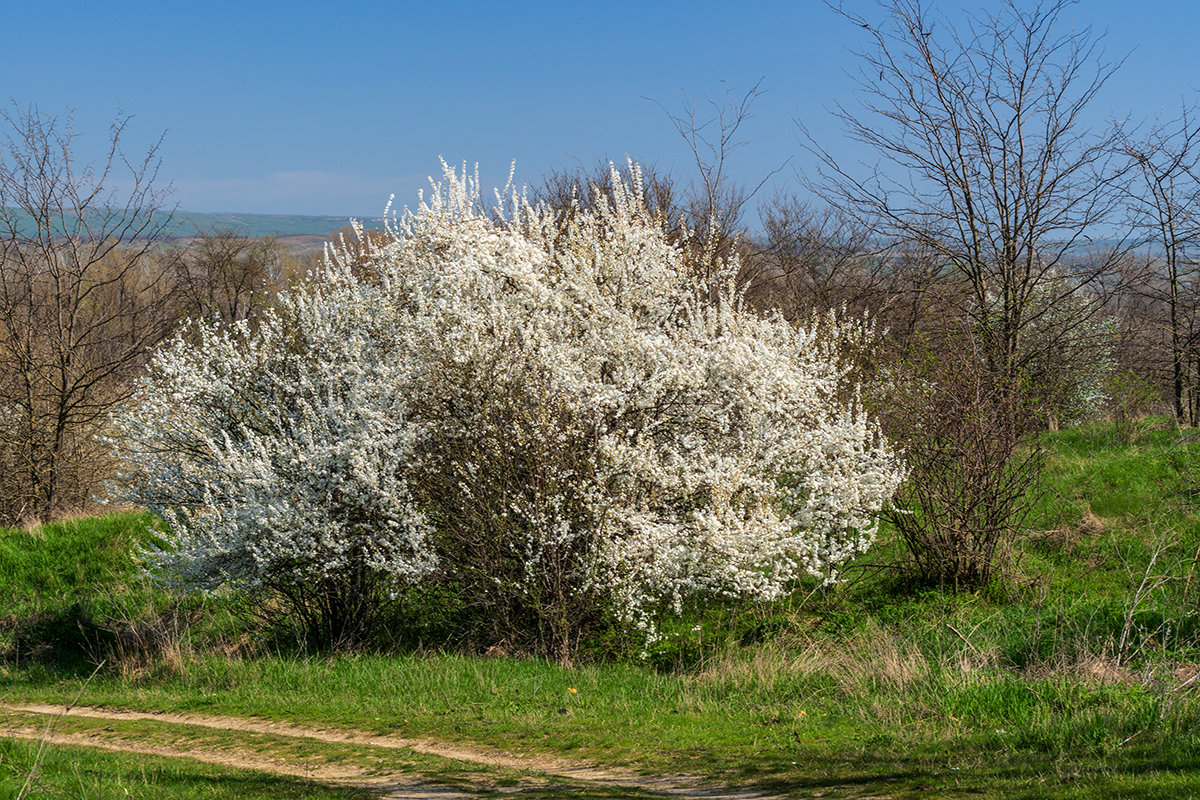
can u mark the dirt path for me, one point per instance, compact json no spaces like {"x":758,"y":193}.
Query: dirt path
{"x":391,"y":787}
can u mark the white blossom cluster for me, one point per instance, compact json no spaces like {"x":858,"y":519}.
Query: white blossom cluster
{"x":676,"y":446}
{"x":279,"y":456}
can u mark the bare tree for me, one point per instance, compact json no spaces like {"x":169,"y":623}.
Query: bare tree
{"x":986,"y":159}
{"x":82,"y":298}
{"x":986,"y":163}
{"x":715,"y":204}
{"x":232,"y":276}
{"x":1165,"y":201}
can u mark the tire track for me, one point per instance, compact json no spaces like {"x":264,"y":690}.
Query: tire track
{"x":676,"y":786}
{"x":389,"y":787}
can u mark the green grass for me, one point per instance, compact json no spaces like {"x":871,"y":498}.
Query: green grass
{"x":87,"y":774}
{"x":62,"y":580}
{"x":1067,"y":678}
{"x":63,"y":563}
{"x":868,"y":710}
{"x":75,"y":595}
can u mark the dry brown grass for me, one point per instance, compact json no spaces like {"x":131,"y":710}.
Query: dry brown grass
{"x":875,"y":659}
{"x":895,"y":676}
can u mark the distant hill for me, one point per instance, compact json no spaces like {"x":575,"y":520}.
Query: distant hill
{"x":186,"y":224}
{"x":190,"y":223}
{"x":299,"y":234}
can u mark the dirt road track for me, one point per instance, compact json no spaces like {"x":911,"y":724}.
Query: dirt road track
{"x":390,"y":787}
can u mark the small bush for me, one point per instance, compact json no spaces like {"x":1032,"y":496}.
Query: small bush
{"x":975,"y":461}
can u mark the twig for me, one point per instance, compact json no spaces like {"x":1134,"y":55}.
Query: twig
{"x":75,"y":702}
{"x":1138,"y":595}
{"x":1186,"y":683}
{"x":31,"y":776}
{"x":1127,"y":739}
{"x":968,"y":641}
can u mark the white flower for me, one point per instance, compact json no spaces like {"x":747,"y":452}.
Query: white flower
{"x":673,"y":446}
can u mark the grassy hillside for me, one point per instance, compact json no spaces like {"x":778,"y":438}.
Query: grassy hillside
{"x":75,"y":596}
{"x":1077,"y":675}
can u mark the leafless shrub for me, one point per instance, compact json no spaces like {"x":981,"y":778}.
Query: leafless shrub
{"x":974,"y":467}
{"x":226,"y":274}
{"x":816,"y":259}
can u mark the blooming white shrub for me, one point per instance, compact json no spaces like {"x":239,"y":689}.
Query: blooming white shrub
{"x":279,"y":459}
{"x":547,"y":406}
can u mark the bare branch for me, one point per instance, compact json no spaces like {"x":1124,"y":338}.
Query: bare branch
{"x":82,"y":298}
{"x":985,"y":160}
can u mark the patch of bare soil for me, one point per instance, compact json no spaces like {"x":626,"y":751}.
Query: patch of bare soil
{"x":389,"y":786}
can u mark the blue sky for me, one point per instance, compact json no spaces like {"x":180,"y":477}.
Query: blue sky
{"x":323,"y":108}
